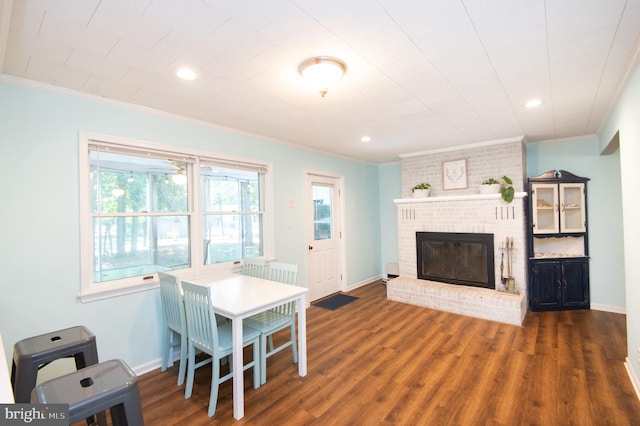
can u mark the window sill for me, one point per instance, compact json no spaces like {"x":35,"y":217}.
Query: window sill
{"x":106,"y":293}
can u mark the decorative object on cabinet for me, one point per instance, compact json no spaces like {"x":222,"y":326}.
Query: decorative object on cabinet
{"x":454,"y":174}
{"x":558,"y":246}
{"x":421,"y":190}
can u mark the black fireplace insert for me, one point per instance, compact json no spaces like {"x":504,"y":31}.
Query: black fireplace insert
{"x":456,"y":258}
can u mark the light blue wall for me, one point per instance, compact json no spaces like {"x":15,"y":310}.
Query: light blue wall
{"x":390,"y":188}
{"x":40,"y":253}
{"x":626,"y":119}
{"x":582,"y":157}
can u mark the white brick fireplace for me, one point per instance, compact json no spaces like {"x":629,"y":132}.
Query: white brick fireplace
{"x":464,"y":210}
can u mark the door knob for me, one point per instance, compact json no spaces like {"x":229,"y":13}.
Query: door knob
{"x":310,"y":247}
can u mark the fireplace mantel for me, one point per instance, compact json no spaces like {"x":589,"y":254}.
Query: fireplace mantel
{"x":467,"y":197}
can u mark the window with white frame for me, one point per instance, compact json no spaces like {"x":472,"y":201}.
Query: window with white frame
{"x":147,"y":209}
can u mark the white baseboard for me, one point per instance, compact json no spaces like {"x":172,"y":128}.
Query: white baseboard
{"x":634,"y":378}
{"x":609,"y":308}
{"x":154,"y":364}
{"x":363,"y":283}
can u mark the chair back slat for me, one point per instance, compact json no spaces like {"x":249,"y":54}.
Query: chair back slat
{"x":171,"y":298}
{"x":284,"y":273}
{"x":254,"y":267}
{"x":202,"y":329}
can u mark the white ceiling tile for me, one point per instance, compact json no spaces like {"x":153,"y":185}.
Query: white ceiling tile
{"x":122,"y":19}
{"x":78,"y":10}
{"x":139,"y":57}
{"x":99,"y":65}
{"x":73,"y":34}
{"x":193,"y":17}
{"x":254,"y":13}
{"x":56,"y":74}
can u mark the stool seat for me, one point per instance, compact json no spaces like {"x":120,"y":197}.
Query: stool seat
{"x":29,"y":355}
{"x":93,"y":389}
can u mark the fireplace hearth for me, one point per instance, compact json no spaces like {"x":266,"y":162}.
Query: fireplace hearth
{"x":456,"y":258}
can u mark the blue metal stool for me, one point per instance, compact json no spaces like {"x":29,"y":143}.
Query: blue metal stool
{"x":30,"y":355}
{"x":94,"y":389}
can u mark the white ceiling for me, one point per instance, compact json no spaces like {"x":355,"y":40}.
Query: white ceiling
{"x":422,"y":74}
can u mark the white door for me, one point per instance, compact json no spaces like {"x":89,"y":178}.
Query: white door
{"x":324,"y":211}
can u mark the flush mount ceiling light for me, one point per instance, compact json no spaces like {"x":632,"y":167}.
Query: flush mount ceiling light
{"x":322,"y":72}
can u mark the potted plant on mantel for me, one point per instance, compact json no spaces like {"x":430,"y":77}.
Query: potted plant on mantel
{"x":504,"y":186}
{"x":421,"y":190}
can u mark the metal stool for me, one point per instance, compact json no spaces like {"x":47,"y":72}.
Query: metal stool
{"x":30,"y":355}
{"x":108,"y":385}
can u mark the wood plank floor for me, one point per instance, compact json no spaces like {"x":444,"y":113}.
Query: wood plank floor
{"x":377,"y":362}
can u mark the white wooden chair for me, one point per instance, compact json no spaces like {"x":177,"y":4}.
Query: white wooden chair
{"x":254,"y":266}
{"x":276,"y":319}
{"x":174,"y":323}
{"x":206,"y":335}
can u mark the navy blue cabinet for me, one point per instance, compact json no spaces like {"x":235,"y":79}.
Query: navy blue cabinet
{"x":558,"y":249}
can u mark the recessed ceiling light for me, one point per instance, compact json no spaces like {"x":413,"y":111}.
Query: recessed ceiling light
{"x":365,"y":139}
{"x":532,"y":103}
{"x":187,"y":74}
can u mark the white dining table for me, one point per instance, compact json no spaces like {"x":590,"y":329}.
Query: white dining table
{"x":237,"y":296}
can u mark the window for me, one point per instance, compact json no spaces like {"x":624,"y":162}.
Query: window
{"x":144,"y":211}
{"x":232,"y":213}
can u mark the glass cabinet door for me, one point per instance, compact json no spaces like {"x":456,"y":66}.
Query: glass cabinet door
{"x":572,"y":211}
{"x":545,"y":208}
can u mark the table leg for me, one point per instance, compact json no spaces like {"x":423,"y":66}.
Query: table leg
{"x":302,"y":336}
{"x":238,"y":376}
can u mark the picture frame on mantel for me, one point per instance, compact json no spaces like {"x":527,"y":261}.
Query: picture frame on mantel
{"x":454,"y":174}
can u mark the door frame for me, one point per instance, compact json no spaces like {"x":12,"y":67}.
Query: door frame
{"x":340,"y":213}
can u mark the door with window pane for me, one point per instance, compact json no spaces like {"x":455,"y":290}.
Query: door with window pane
{"x":324,"y":236}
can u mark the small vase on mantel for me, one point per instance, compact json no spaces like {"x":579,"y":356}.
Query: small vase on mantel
{"x":421,"y":193}
{"x":490,"y":188}
{"x":421,"y":190}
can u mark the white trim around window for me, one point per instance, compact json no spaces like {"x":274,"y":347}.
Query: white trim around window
{"x":91,"y":290}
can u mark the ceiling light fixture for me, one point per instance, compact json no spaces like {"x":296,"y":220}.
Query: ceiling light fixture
{"x":187,"y":74}
{"x":365,"y":139}
{"x":532,"y":103}
{"x":322,"y":72}
{"x":180,"y":178}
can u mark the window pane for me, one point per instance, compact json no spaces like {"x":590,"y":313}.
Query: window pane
{"x":232,"y":237}
{"x":129,"y":246}
{"x":128,"y":183}
{"x":229,"y":190}
{"x":322,"y":216}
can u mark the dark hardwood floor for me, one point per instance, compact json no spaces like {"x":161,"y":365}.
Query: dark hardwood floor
{"x":374,"y":362}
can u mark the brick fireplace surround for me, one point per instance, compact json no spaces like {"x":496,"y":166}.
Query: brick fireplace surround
{"x":464,"y":210}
